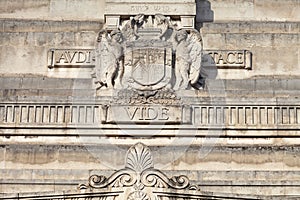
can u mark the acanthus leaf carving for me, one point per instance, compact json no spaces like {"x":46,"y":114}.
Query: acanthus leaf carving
{"x":139,"y":177}
{"x":139,"y":158}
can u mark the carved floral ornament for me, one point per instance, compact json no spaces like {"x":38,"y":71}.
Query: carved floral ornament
{"x":139,"y":180}
{"x":148,"y":53}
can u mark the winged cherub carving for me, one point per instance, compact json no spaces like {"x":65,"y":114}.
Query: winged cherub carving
{"x":109,"y":59}
{"x":188,"y":58}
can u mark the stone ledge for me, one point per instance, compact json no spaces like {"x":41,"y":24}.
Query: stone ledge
{"x":251,"y":27}
{"x":26,"y":25}
{"x":267,"y":84}
{"x":205,"y":177}
{"x":222,"y":183}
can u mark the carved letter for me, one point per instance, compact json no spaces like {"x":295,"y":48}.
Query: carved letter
{"x":230,"y":58}
{"x":221,"y":58}
{"x":69,"y":57}
{"x":131,"y":111}
{"x":63,"y":57}
{"x":157,"y":8}
{"x":240,"y":58}
{"x":81,"y":57}
{"x":151,"y":113}
{"x":142,"y":113}
{"x":88,"y":57}
{"x":164,"y":114}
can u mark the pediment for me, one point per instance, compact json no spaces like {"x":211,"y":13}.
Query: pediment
{"x":138,"y":180}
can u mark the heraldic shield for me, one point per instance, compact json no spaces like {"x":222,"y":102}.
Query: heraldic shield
{"x":148,"y":68}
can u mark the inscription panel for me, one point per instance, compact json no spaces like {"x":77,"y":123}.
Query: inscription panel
{"x":151,"y":8}
{"x":222,"y":59}
{"x":228,"y":59}
{"x":71,"y":58}
{"x":144,"y":114}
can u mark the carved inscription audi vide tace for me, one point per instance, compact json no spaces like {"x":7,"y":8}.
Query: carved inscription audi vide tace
{"x":148,"y":53}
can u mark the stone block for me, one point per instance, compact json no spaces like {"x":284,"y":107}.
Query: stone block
{"x":251,"y":27}
{"x":236,"y":85}
{"x":53,"y":10}
{"x":293,"y":84}
{"x":135,"y":7}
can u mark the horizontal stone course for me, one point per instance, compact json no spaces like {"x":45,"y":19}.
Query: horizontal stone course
{"x":244,"y":134}
{"x":42,"y":177}
{"x":44,"y":83}
{"x":266,"y":84}
{"x":251,"y":27}
{"x":53,"y":9}
{"x":26,"y":25}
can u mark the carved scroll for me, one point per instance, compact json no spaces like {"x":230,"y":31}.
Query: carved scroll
{"x":139,"y":177}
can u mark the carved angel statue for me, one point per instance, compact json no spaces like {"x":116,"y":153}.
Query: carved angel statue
{"x":188,"y":58}
{"x":109,"y":59}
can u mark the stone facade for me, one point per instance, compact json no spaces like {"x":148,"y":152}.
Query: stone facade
{"x":235,"y":135}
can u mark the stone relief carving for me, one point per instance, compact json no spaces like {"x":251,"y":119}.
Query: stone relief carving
{"x":148,"y":53}
{"x":109,"y":61}
{"x":139,"y":179}
{"x":131,"y":97}
{"x":130,"y":29}
{"x":188,"y":58}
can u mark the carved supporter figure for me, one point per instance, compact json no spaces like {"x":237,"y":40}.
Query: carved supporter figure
{"x":109,"y":63}
{"x":183,"y":61}
{"x":130,"y":29}
{"x":165,"y":25}
{"x":188,"y":59}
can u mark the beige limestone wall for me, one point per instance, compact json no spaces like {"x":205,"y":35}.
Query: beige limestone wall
{"x":269,"y":29}
{"x":250,"y":10}
{"x":26,"y":52}
{"x":275,"y":46}
{"x":259,"y":164}
{"x":261,"y":169}
{"x":228,"y":10}
{"x":52,"y":9}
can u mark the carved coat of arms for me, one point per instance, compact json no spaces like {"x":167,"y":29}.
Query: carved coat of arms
{"x":148,"y":68}
{"x":147,"y":54}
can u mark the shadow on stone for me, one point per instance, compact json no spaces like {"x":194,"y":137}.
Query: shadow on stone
{"x":204,"y":13}
{"x":208,"y":70}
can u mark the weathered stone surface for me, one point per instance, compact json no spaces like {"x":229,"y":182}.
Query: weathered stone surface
{"x":249,"y":10}
{"x":53,"y":9}
{"x":27,"y":25}
{"x":242,"y":135}
{"x":241,"y":161}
